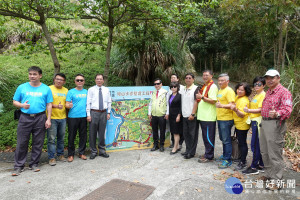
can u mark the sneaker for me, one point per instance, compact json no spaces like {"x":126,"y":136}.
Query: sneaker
{"x":220,"y":159}
{"x":52,"y":162}
{"x":17,"y":171}
{"x":260,"y":169}
{"x":250,"y":170}
{"x":225,"y":164}
{"x":34,"y":168}
{"x":62,"y":158}
{"x":240,"y":166}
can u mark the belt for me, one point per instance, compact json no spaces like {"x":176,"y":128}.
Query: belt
{"x":34,"y":115}
{"x":98,"y":110}
{"x":269,"y":118}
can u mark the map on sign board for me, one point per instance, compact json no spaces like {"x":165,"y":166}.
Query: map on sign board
{"x":129,"y":127}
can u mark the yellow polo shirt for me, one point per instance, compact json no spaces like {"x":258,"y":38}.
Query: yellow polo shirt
{"x":240,"y":123}
{"x":256,"y":103}
{"x":59,"y":95}
{"x":225,"y":96}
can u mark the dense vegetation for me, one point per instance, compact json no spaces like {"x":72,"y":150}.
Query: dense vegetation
{"x":134,"y":41}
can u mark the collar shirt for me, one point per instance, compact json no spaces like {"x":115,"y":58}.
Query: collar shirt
{"x":187,"y":100}
{"x":93,"y":99}
{"x":158,"y":106}
{"x":282,"y":101}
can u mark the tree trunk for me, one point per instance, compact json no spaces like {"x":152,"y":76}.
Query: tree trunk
{"x":275,"y":55}
{"x":284,"y":50}
{"x":280,"y":43}
{"x":51,"y":48}
{"x":211,"y":60}
{"x":108,"y":51}
{"x":138,"y":79}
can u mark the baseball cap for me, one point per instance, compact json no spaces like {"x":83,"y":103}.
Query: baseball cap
{"x":272,"y":72}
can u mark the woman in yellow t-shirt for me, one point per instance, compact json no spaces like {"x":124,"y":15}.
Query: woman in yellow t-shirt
{"x":240,"y":117}
{"x":255,"y":116}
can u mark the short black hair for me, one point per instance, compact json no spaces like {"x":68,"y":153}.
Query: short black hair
{"x":175,"y":83}
{"x":99,"y":75}
{"x":259,"y":79}
{"x":190,"y":74}
{"x":59,"y":74}
{"x":246,"y":86}
{"x":175,"y":75}
{"x":209,"y":71}
{"x":79,"y":75}
{"x":35,"y":68}
{"x":157,"y":79}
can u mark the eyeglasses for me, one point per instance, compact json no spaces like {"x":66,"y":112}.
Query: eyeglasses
{"x":58,"y":79}
{"x":188,"y":78}
{"x":79,"y":80}
{"x":257,"y":84}
{"x":157,"y":83}
{"x":173,"y":87}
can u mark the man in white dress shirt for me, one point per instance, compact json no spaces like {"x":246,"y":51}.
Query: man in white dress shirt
{"x":98,"y":109}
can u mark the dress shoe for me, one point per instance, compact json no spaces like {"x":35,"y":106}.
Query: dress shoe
{"x":104,"y":155}
{"x":70,"y":158}
{"x":161,"y":149}
{"x":174,"y":152}
{"x":188,"y":156}
{"x":154,"y":148}
{"x":171,"y":146}
{"x":93,"y":156}
{"x":184,"y":153}
{"x":83,"y":157}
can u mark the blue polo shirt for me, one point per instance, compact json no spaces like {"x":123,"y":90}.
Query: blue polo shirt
{"x":37,"y":97}
{"x":78,"y":98}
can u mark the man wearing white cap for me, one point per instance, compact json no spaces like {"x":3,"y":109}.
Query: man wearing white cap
{"x":276,"y":108}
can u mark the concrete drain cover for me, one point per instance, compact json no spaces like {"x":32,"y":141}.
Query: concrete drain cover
{"x":120,"y":189}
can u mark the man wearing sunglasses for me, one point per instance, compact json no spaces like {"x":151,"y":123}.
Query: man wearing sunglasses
{"x":58,"y":119}
{"x":276,"y":109}
{"x":157,"y":113}
{"x":98,"y":109}
{"x":76,"y":102}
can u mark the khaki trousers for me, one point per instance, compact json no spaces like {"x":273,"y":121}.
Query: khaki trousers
{"x":271,"y":142}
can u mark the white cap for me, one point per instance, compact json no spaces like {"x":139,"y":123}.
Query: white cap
{"x":272,"y":72}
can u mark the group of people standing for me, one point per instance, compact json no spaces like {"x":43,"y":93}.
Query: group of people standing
{"x":190,"y":107}
{"x":186,"y":107}
{"x":35,"y":99}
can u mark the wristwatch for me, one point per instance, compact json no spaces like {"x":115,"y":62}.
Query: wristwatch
{"x":193,"y":115}
{"x":202,"y":98}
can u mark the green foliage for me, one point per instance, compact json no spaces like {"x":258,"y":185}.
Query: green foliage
{"x":14,"y":69}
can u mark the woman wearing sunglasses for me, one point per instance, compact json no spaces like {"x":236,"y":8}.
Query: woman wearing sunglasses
{"x":255,"y":116}
{"x":175,"y":115}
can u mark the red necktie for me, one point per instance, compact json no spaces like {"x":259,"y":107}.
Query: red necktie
{"x":157,"y":94}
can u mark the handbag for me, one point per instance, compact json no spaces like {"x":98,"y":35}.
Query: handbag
{"x":17,"y":114}
{"x":236,"y":152}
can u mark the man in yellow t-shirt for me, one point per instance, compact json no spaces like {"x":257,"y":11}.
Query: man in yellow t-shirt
{"x":58,"y":119}
{"x":225,"y":98}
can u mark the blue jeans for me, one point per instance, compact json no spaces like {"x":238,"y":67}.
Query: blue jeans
{"x":57,"y":129}
{"x":225,"y":136}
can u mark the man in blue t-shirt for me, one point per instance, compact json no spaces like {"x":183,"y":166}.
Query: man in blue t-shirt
{"x":76,"y":102}
{"x":33,"y":98}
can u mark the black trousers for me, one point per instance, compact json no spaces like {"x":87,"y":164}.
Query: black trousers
{"x":26,"y":126}
{"x":161,"y":122}
{"x":75,"y":124}
{"x":97,"y":126}
{"x":190,"y":133}
{"x":208,"y":135}
{"x":242,"y":138}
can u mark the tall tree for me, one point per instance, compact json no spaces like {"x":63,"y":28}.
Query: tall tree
{"x":38,"y":12}
{"x":113,"y":13}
